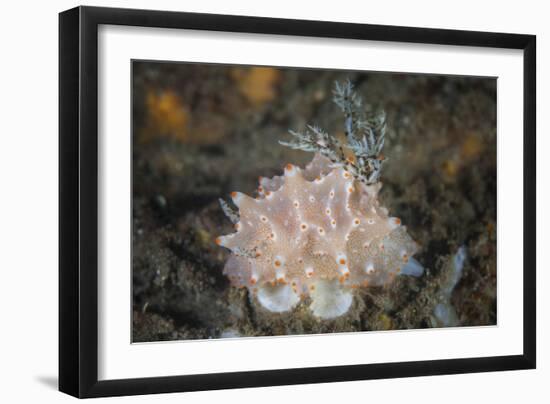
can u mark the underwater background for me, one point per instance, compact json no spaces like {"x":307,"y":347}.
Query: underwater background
{"x":201,"y":131}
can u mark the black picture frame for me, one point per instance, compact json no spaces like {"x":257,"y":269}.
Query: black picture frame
{"x":78,"y":200}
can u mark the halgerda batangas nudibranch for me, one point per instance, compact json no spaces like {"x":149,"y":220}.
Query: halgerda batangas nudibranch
{"x":318,"y":231}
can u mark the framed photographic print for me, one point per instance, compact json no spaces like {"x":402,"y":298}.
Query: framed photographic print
{"x":251,"y":201}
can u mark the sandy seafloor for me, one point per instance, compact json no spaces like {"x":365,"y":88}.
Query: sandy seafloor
{"x":202,"y":131}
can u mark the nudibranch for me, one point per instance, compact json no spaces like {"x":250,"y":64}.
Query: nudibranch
{"x":315,"y":232}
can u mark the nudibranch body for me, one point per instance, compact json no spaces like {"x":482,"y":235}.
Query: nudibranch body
{"x":315,"y":232}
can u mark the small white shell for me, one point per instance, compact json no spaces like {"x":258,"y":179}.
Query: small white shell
{"x":277,"y":298}
{"x":330,"y":299}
